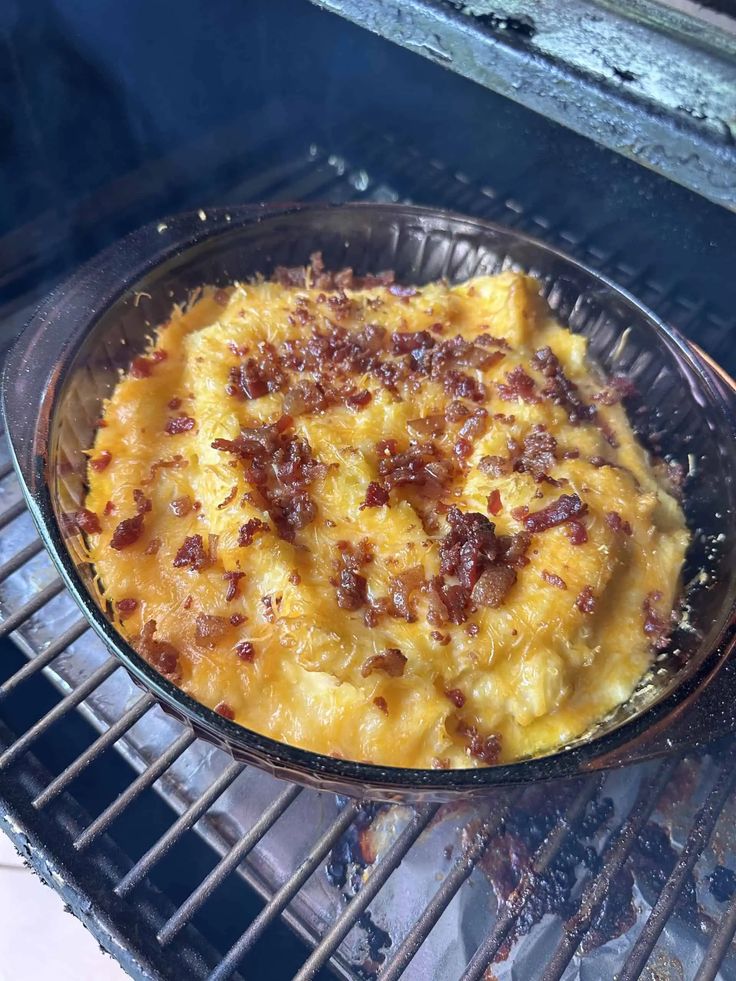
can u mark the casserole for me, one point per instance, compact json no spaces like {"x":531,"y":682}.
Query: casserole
{"x":69,"y":359}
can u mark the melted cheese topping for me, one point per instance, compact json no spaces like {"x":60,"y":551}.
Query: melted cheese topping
{"x":535,"y":671}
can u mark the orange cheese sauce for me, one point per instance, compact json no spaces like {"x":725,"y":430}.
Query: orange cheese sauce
{"x":280,"y":649}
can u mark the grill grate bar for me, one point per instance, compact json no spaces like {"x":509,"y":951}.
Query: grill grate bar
{"x":13,"y":512}
{"x":226,"y":865}
{"x":28,"y":609}
{"x":541,"y":861}
{"x":20,"y":559}
{"x":140,"y":784}
{"x":613,"y":860}
{"x":452,"y":882}
{"x":698,"y":838}
{"x":281,"y":899}
{"x":44,"y":658}
{"x":182,"y":824}
{"x":718,"y":946}
{"x":380,"y":873}
{"x":119,"y":728}
{"x":6,"y":468}
{"x":65,"y":705}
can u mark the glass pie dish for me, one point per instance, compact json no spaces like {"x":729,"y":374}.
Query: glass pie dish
{"x":70,"y":356}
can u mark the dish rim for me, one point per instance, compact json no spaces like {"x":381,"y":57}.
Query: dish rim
{"x":283,"y":759}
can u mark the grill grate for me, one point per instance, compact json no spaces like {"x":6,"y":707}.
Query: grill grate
{"x":173,"y":932}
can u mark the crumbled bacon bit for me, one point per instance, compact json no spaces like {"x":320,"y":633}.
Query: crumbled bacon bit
{"x":141,"y":367}
{"x":475,"y":426}
{"x":495,"y":505}
{"x":515,"y":548}
{"x":493,"y":585}
{"x":220,"y":297}
{"x":433,"y":425}
{"x":440,"y":638}
{"x":537,"y":454}
{"x":192,"y":553}
{"x":585,"y":601}
{"x":249,"y":530}
{"x":109,"y":508}
{"x":456,"y":411}
{"x":126,"y":608}
{"x":179,"y":424}
{"x":237,"y":618}
{"x":142,"y":503}
{"x":376,"y":496}
{"x":520,"y":513}
{"x":483,"y":563}
{"x":280,"y":468}
{"x":462,"y":448}
{"x":239,"y":350}
{"x":402,"y":589}
{"x":233,"y":584}
{"x":380,"y":702}
{"x":174,"y":403}
{"x":456,"y":697}
{"x":153,"y":546}
{"x":392,"y":661}
{"x":566,"y":507}
{"x":358,"y":400}
{"x":617,"y":524}
{"x":472,"y":629}
{"x":619,"y":387}
{"x":209,"y":630}
{"x":127,"y":532}
{"x":460,"y":385}
{"x":352,"y":590}
{"x":420,"y":465}
{"x":99,"y":463}
{"x":267,"y":604}
{"x":560,"y":389}
{"x":294,"y":578}
{"x":495,"y":466}
{"x":519,"y":386}
{"x":405,"y":343}
{"x":488,"y":340}
{"x":484,"y":748}
{"x":576,"y":532}
{"x":187,"y":604}
{"x":81,"y":520}
{"x":181,"y":506}
{"x":255,"y":378}
{"x":245,"y":651}
{"x":229,"y":499}
{"x":655,"y":625}
{"x":553,"y":579}
{"x":160,"y":654}
{"x":223,"y":709}
{"x":176,"y":463}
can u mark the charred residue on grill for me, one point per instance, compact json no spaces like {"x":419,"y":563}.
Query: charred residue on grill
{"x":722,"y":884}
{"x":354,"y":851}
{"x":509,"y":857}
{"x":378,"y":940}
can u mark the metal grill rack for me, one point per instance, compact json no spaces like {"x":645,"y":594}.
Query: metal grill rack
{"x":120,"y":834}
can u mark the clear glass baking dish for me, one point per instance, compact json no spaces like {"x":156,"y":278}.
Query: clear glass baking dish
{"x":69,"y":357}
